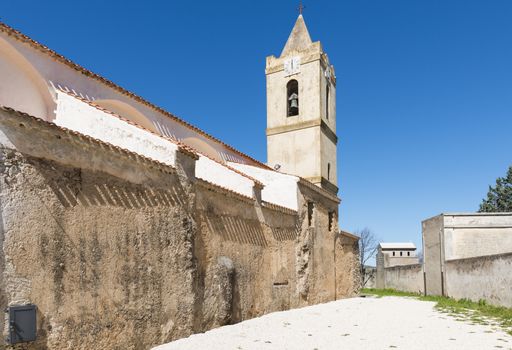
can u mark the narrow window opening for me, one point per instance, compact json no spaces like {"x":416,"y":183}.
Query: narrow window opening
{"x":327,"y":100}
{"x":393,"y":253}
{"x":331,"y":220}
{"x":311,"y":207}
{"x":292,"y":98}
{"x":408,"y":253}
{"x":400,"y":253}
{"x":328,"y":171}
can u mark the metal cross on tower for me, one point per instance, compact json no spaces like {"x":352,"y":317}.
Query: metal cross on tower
{"x":301,"y":8}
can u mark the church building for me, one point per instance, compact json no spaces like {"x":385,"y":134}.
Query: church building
{"x":124,"y":226}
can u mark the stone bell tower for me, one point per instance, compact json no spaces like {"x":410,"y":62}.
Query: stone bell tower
{"x":301,"y":110}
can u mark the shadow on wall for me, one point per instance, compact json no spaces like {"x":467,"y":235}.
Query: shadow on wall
{"x":284,"y":233}
{"x":235,"y":229}
{"x":68,"y":190}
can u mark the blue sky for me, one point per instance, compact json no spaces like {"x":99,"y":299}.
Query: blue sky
{"x":424,"y":90}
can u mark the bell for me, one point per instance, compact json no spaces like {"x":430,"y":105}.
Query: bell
{"x":294,"y":104}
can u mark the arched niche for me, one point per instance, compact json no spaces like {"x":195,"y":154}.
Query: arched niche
{"x":127,"y":111}
{"x":203,"y":147}
{"x":21,"y":85}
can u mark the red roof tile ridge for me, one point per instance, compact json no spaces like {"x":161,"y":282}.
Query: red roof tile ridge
{"x":279,"y":207}
{"x":213,"y":186}
{"x":180,"y":144}
{"x":24,"y":38}
{"x":168,"y":167}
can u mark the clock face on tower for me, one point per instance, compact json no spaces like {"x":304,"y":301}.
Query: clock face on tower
{"x":292,"y":66}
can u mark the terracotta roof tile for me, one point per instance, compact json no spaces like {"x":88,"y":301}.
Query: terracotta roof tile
{"x":217,"y":188}
{"x":279,"y":208}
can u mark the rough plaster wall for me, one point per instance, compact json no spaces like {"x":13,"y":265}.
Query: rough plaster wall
{"x":348,"y":279}
{"x":109,"y":264}
{"x":407,"y":278}
{"x":487,"y":278}
{"x":260,"y":244}
{"x":315,"y":249}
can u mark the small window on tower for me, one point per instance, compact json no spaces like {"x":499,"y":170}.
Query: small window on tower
{"x":292,"y":98}
{"x":311,"y":208}
{"x":327,"y":101}
{"x":328,"y":171}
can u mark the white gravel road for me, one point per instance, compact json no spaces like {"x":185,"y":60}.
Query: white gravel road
{"x":358,"y":323}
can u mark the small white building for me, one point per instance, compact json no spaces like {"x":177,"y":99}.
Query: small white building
{"x":394,"y":254}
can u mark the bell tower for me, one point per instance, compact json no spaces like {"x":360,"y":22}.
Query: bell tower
{"x":301,"y":110}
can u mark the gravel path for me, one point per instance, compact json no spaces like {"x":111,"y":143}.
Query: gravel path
{"x":358,"y":323}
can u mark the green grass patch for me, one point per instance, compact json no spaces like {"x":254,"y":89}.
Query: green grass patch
{"x":477,"y":312}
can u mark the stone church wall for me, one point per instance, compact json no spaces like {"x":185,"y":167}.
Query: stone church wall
{"x":347,"y":265}
{"x":119,"y":251}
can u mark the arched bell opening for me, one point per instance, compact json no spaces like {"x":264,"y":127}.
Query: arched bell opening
{"x":292,"y":98}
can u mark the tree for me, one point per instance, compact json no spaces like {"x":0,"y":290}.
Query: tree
{"x":499,"y":198}
{"x":368,"y":245}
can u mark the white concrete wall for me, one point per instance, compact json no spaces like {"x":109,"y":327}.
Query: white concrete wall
{"x":432,"y":231}
{"x":479,"y":234}
{"x":390,"y":261}
{"x":488,"y":278}
{"x":83,"y":118}
{"x":218,"y":174}
{"x":407,"y":278}
{"x":280,"y":189}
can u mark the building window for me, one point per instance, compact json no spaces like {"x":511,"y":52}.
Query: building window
{"x":331,"y":220}
{"x":292,"y":98}
{"x":328,"y":171}
{"x":408,"y":253}
{"x":311,"y":208}
{"x":393,"y":253}
{"x":327,"y":100}
{"x":400,"y":253}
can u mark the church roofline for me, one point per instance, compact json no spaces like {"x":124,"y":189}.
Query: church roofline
{"x":62,"y":59}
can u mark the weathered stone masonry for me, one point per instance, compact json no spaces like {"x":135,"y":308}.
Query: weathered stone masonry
{"x":122,"y":252}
